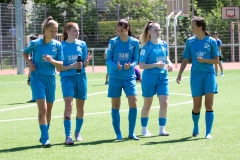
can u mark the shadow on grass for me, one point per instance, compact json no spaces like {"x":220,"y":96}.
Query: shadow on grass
{"x":146,"y":137}
{"x":18,"y":149}
{"x":102,"y":142}
{"x":82,"y":143}
{"x":174,"y":141}
{"x":95,"y":142}
{"x":16,"y":103}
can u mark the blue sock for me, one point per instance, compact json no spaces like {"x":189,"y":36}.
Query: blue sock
{"x":162,"y":121}
{"x":44,"y":133}
{"x":116,"y":121}
{"x":67,"y":126}
{"x":209,"y":117}
{"x":79,"y":123}
{"x":195,"y":118}
{"x":144,"y":121}
{"x":132,"y":117}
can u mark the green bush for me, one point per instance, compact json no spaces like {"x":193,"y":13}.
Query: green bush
{"x":107,"y":29}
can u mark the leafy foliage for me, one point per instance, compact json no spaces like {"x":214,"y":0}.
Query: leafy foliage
{"x":136,"y":9}
{"x":12,"y":1}
{"x":72,"y":13}
{"x":107,"y":29}
{"x":213,"y":17}
{"x":60,"y":3}
{"x":96,"y":31}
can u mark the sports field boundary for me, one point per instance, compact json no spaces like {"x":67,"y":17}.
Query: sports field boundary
{"x":102,"y":69}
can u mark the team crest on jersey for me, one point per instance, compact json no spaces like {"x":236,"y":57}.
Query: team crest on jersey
{"x":79,"y":49}
{"x":142,"y":53}
{"x":64,"y":45}
{"x":131,"y":46}
{"x":206,"y":45}
{"x":163,"y":49}
{"x":109,"y":46}
{"x":54,"y":49}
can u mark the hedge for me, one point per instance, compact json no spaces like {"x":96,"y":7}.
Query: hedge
{"x":107,"y":29}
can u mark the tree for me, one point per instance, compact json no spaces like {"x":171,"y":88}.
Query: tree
{"x":213,"y":17}
{"x":12,"y":1}
{"x":136,"y":9}
{"x":60,"y":2}
{"x":64,"y":11}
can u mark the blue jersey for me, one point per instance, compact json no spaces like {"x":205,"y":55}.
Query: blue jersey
{"x":40,"y":49}
{"x":124,"y":52}
{"x":153,"y":53}
{"x":71,"y":51}
{"x":206,"y":48}
{"x":219,"y":43}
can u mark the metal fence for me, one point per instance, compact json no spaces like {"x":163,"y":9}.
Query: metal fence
{"x":87,"y":19}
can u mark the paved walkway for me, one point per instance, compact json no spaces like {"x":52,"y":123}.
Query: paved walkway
{"x":99,"y":69}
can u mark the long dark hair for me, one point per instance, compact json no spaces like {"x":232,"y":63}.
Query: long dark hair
{"x":125,"y":24}
{"x":200,"y":22}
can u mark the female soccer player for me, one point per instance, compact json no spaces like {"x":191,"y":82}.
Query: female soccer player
{"x":153,"y":59}
{"x":105,"y":57}
{"x":74,"y":84}
{"x":29,"y":73}
{"x":48,"y":54}
{"x":122,"y":57}
{"x":203,"y":51}
{"x":219,"y":43}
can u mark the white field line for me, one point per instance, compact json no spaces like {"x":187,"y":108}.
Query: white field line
{"x":99,"y":113}
{"x":90,"y":114}
{"x":35,"y":104}
{"x":59,"y":100}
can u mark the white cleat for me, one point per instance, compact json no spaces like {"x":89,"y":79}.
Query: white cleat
{"x":78,"y":137}
{"x":209,"y":136}
{"x":164,"y":133}
{"x":146,"y":133}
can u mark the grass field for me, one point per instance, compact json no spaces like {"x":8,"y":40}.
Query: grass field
{"x":19,"y":130}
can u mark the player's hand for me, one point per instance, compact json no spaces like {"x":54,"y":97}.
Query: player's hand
{"x":47,"y":58}
{"x":89,"y":57}
{"x":169,"y":68}
{"x":77,"y":65}
{"x":178,"y":80}
{"x":127,"y":65}
{"x":200,"y":59}
{"x":160,"y":64}
{"x":32,"y":66}
{"x":119,"y":66}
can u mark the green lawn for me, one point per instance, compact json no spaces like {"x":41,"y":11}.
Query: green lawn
{"x":19,"y":130}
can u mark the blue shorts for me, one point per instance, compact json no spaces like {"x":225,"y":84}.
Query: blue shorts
{"x":202,"y":83}
{"x":153,"y":83}
{"x":43,"y":87}
{"x":75,"y":86}
{"x":115,"y":87}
